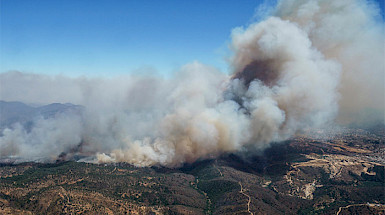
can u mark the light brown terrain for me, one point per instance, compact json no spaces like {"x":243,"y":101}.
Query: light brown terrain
{"x":314,"y":173}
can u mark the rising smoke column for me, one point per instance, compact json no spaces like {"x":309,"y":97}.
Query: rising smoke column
{"x":290,"y":71}
{"x":352,"y":33}
{"x":298,"y":90}
{"x":277,"y":58}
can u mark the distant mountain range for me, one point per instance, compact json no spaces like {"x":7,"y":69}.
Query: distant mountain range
{"x":18,"y":112}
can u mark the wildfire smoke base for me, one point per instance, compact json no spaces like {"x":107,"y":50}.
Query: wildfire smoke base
{"x":292,"y":71}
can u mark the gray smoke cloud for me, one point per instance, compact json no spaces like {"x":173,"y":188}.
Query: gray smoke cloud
{"x":306,"y":65}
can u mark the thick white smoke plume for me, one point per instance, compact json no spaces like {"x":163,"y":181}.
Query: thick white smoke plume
{"x":308,"y":63}
{"x":352,"y":33}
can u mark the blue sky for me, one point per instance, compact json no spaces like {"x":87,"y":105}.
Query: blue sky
{"x":115,"y":37}
{"x":101,"y":37}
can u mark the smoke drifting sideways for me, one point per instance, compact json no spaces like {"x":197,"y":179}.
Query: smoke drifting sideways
{"x":309,"y":63}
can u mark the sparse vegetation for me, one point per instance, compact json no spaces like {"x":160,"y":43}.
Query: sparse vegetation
{"x":289,"y":178}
